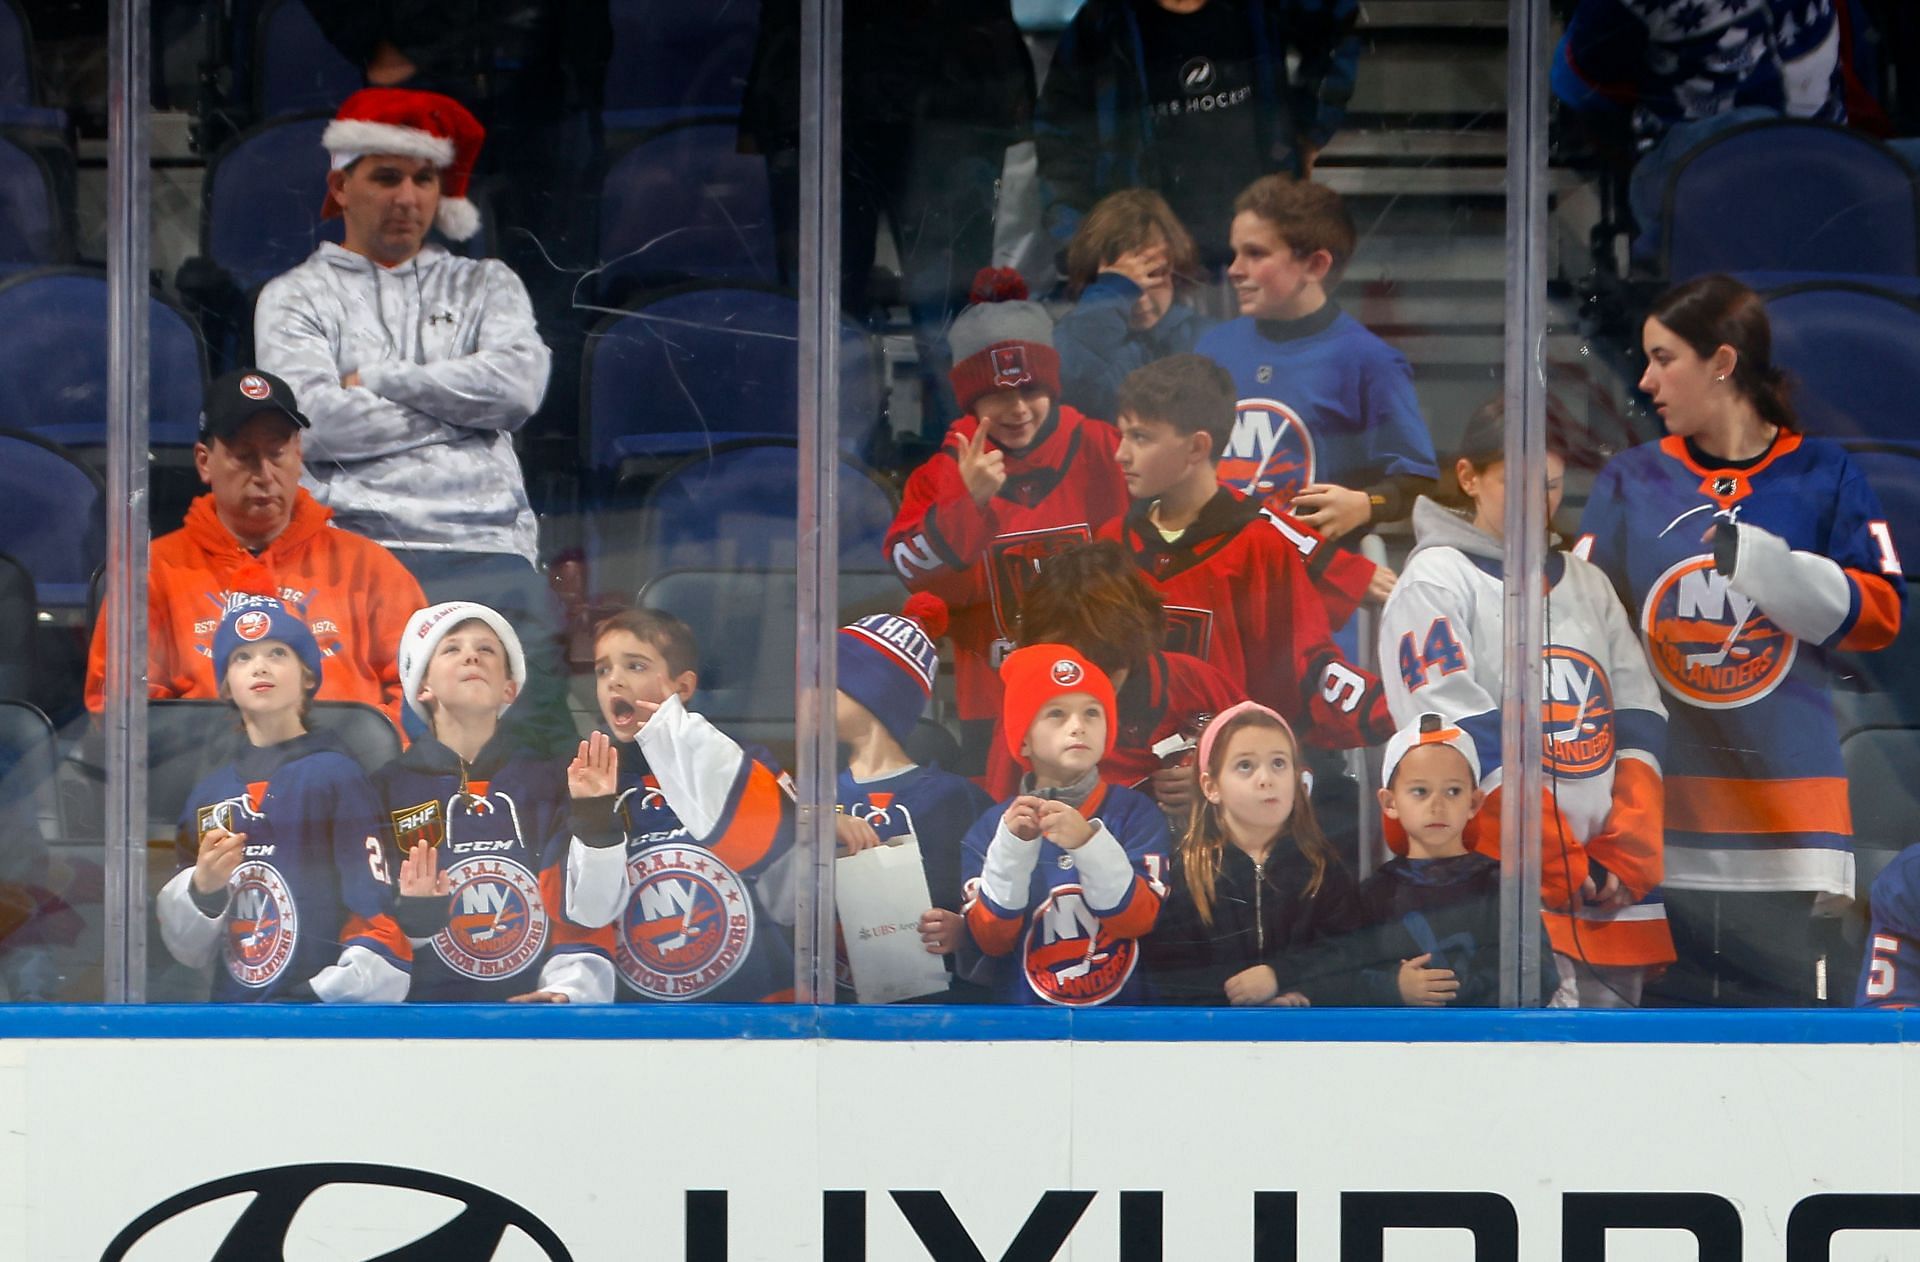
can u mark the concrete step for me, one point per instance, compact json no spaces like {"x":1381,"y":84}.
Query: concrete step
{"x":1413,"y":79}
{"x":1403,"y":145}
{"x":1424,"y":15}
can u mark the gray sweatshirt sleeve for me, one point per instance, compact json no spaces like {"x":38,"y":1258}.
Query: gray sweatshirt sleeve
{"x":296,"y":342}
{"x":498,"y":385}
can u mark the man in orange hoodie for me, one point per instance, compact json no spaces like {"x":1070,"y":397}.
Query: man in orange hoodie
{"x":259,"y":533}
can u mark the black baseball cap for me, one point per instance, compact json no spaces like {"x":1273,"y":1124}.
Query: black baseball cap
{"x":239,"y":396}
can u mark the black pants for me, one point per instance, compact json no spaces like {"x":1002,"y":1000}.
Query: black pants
{"x":1739,"y":951}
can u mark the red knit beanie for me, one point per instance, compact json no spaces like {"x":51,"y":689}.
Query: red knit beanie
{"x":1036,"y":675}
{"x":1002,"y":340}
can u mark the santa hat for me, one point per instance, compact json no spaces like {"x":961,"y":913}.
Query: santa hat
{"x":429,"y":626}
{"x":1036,"y":675}
{"x":1428,"y":729}
{"x":411,"y":124}
{"x":888,"y":661}
{"x":1002,"y":340}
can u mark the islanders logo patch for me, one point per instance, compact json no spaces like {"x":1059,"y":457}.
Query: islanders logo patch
{"x":1069,"y":957}
{"x":499,"y":923}
{"x":1270,"y":453}
{"x":1710,"y":646}
{"x":1577,"y":716}
{"x":688,"y":926}
{"x":264,"y":926}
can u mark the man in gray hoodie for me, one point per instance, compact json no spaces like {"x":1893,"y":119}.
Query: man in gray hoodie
{"x":415,"y":366}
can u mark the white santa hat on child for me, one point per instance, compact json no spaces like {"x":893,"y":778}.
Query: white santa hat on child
{"x":411,"y":124}
{"x":429,"y":626}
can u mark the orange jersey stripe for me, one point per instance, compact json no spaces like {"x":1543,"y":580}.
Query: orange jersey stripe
{"x":755,"y":824}
{"x":1879,"y":620}
{"x":1611,"y":942}
{"x":379,"y":929}
{"x":1708,"y":804}
{"x":1630,"y":842}
{"x":1141,"y":911}
{"x":553,"y":891}
{"x":994,"y":935}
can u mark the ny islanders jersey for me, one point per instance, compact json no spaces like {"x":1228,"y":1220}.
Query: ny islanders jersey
{"x":1890,"y":974}
{"x":1442,"y":643}
{"x":1069,"y":920}
{"x":500,"y":827}
{"x":1756,"y":792}
{"x":695,"y":928}
{"x":1321,"y":399}
{"x":314,"y":883}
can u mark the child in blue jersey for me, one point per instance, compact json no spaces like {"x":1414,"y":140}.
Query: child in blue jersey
{"x":282,"y":869}
{"x":887,"y":664}
{"x":1328,"y":427}
{"x":707,"y":832}
{"x":526,"y":900}
{"x":1064,"y":878}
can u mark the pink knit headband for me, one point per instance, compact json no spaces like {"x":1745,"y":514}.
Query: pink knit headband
{"x":1219,"y":722}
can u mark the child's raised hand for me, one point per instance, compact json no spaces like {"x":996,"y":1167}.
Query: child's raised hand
{"x":218,"y":859}
{"x":1256,"y":985}
{"x":420,"y":874}
{"x":1064,"y":825}
{"x":1423,"y":987}
{"x":595,"y":770}
{"x":854,"y":834}
{"x":1332,"y":510}
{"x":1023,"y":817}
{"x":983,"y":469}
{"x":940,"y":930}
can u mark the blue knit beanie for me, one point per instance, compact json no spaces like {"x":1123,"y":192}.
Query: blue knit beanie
{"x":253,"y":618}
{"x":888,"y":661}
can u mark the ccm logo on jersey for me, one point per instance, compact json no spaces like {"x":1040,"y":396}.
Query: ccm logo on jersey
{"x":1709,"y":645}
{"x":1269,"y":454}
{"x":688,"y":925}
{"x":1577,"y":717}
{"x":1069,"y":957}
{"x":264,"y":925}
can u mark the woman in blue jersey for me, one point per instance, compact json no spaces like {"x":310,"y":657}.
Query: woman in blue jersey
{"x":1744,"y":550}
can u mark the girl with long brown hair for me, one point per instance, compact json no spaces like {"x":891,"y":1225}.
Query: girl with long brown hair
{"x":1254,"y":880}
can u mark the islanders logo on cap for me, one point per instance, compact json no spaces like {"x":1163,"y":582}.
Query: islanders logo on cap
{"x":264,"y":926}
{"x":1710,"y":646}
{"x":1070,"y":958}
{"x":688,"y":926}
{"x":252,"y":625}
{"x":255,"y":387}
{"x":1269,"y":454}
{"x":1010,"y":366}
{"x":1577,"y":717}
{"x":1066,"y":672}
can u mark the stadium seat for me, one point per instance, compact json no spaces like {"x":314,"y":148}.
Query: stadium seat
{"x":18,"y":608}
{"x":33,"y":226}
{"x":260,"y":212}
{"x":696,"y":366}
{"x":294,"y":67}
{"x":1853,"y":352}
{"x":19,"y":96}
{"x":29,"y":762}
{"x":672,"y":59}
{"x":53,"y":517}
{"x":1850,"y":205}
{"x":53,"y":361}
{"x":682,"y":202}
{"x":187,"y":739}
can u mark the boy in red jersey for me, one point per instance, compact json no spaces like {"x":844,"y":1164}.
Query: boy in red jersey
{"x":1230,"y":572}
{"x":1016,"y":480}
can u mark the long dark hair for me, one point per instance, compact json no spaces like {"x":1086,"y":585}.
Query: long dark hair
{"x":1716,"y":310}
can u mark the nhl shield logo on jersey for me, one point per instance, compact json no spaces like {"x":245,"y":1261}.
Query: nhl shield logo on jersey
{"x":1577,"y":716}
{"x":499,"y":923}
{"x":421,"y":825}
{"x":1070,"y":959}
{"x":1010,"y":366}
{"x":1269,"y":454}
{"x":1709,"y":645}
{"x":688,"y":925}
{"x":264,"y":926}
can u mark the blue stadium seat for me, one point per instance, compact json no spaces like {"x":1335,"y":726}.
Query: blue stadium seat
{"x":29,"y":763}
{"x":260,"y":212}
{"x":1853,"y":351}
{"x":53,"y":517}
{"x":33,"y":229}
{"x":672,"y":59}
{"x":682,"y":202}
{"x":697,"y":366}
{"x":294,"y":67}
{"x":53,"y":361}
{"x":1848,"y":205}
{"x":18,"y":608}
{"x":19,"y":96}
